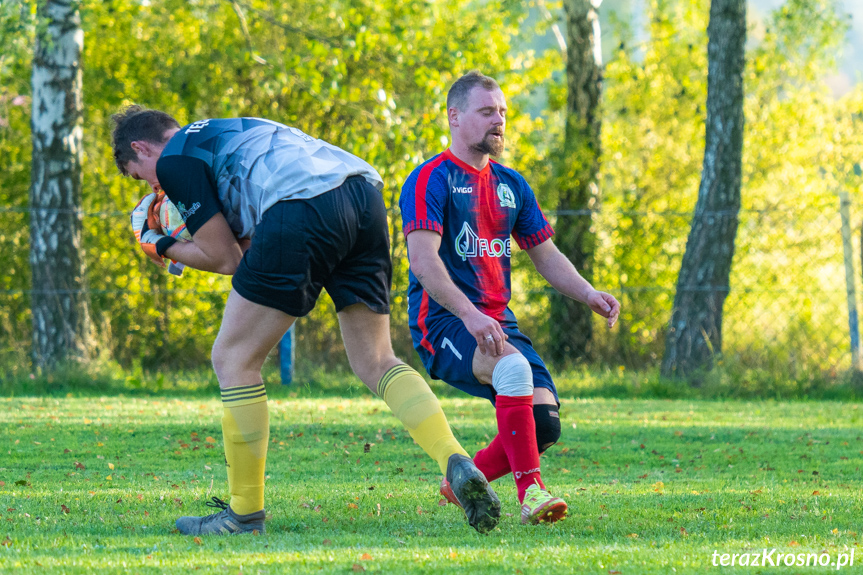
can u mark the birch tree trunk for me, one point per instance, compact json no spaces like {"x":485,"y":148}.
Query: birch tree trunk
{"x":59,"y":304}
{"x":695,"y":333}
{"x":571,"y":322}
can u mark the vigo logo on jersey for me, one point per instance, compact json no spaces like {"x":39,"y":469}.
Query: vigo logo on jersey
{"x":469,"y":245}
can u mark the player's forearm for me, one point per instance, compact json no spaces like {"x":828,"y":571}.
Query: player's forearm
{"x":435,"y":280}
{"x":559,"y":272}
{"x":193,"y":256}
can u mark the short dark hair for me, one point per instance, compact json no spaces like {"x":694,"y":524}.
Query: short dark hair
{"x":460,"y":90}
{"x":137,"y":123}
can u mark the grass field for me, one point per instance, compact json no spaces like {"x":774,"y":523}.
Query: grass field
{"x":95,"y":484}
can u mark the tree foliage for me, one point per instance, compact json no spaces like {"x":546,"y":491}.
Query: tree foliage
{"x":371,"y":77}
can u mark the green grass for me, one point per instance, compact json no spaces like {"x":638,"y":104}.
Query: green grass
{"x":727,"y":380}
{"x":652,"y":485}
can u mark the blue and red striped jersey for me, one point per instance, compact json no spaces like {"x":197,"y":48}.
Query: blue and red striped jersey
{"x":475,"y":212}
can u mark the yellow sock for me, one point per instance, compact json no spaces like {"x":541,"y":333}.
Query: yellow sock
{"x":412,"y":401}
{"x":246,"y":429}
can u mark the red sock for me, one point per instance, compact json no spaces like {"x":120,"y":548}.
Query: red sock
{"x":492,"y":460}
{"x":517,"y":432}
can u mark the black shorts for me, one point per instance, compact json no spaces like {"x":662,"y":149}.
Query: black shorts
{"x":338,"y":240}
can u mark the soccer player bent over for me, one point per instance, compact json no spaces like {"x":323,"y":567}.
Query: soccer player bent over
{"x":459,"y":210}
{"x":316,"y":219}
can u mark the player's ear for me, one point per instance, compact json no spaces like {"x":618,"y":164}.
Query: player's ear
{"x":142,"y":148}
{"x":452,"y":114}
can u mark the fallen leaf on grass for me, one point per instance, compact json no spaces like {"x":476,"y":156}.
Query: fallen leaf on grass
{"x":6,"y":542}
{"x":633,"y":536}
{"x":353,"y":506}
{"x":793,"y":544}
{"x":110,"y":466}
{"x":365,"y":557}
{"x":210,"y":439}
{"x":614,"y":573}
{"x":816,"y":493}
{"x":453,"y":554}
{"x":358,"y":568}
{"x":64,"y":508}
{"x":442,"y":502}
{"x":80,"y":466}
{"x":198,"y":540}
{"x":327,"y":542}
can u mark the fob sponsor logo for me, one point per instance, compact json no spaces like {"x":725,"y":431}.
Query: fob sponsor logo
{"x":469,"y":245}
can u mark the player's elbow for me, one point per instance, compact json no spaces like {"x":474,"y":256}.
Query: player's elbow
{"x":419,"y":265}
{"x":228,"y":265}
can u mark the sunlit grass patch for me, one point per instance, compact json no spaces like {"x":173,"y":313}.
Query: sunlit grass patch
{"x":96,"y":484}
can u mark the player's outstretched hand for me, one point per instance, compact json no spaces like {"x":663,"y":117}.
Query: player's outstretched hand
{"x":488,"y":333}
{"x":605,"y":305}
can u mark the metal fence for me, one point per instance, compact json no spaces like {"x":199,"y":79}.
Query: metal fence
{"x":787,"y":310}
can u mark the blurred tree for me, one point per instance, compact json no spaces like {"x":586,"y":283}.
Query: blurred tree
{"x":571,"y":322}
{"x":695,"y":332}
{"x":59,"y":302}
{"x":16,"y":53}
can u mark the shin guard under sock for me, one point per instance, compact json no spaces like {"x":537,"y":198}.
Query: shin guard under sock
{"x":411,"y":400}
{"x":246,"y":430}
{"x":517,"y":432}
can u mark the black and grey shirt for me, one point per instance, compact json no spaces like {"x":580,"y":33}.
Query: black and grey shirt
{"x":242,"y":166}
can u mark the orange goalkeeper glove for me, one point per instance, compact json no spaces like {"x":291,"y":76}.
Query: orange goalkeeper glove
{"x":145,"y":225}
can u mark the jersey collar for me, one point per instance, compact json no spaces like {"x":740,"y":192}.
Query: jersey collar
{"x":467,"y":167}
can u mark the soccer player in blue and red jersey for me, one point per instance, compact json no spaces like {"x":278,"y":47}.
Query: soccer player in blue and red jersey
{"x":459,"y":210}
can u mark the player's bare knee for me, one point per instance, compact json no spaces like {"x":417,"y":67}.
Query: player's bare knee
{"x":513,"y":376}
{"x":221,"y":366}
{"x":547,"y":418}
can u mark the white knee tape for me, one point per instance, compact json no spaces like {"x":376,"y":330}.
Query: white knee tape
{"x":512,"y":376}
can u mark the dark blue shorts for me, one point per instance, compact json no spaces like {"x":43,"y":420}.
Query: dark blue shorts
{"x":453,"y":358}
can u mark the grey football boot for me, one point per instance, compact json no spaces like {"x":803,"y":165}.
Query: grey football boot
{"x":474,"y":494}
{"x":224,"y":522}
